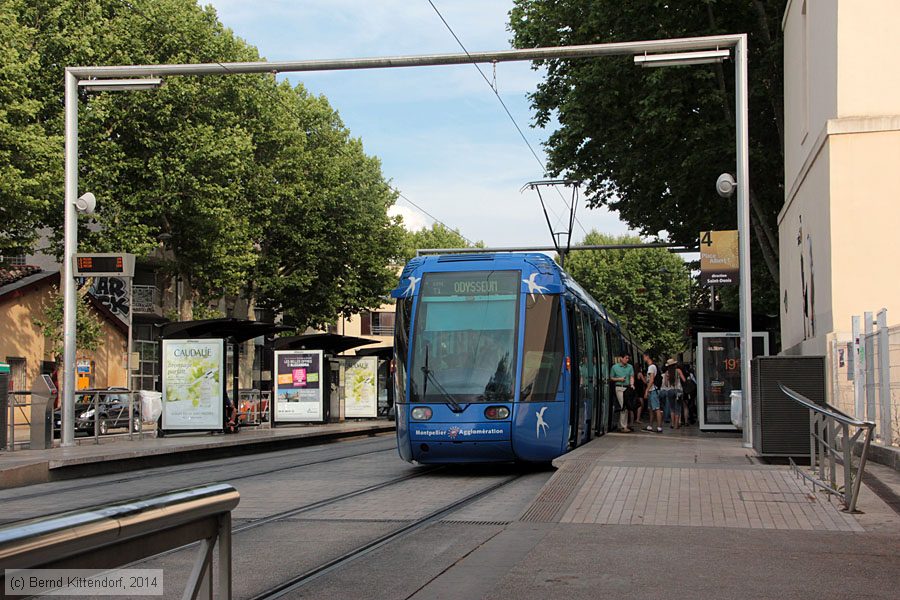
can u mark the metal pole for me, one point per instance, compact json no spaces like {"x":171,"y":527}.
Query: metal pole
{"x":869,"y":340}
{"x":858,"y":370}
{"x":423,"y":60}
{"x":884,"y":379}
{"x":70,"y":245}
{"x":128,"y":377}
{"x":741,"y":90}
{"x":675,"y":248}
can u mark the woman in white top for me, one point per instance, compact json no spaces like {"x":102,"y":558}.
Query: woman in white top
{"x":671,"y":390}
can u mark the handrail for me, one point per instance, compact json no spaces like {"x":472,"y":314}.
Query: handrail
{"x":827,"y":425}
{"x":830,"y":411}
{"x":116,"y":534}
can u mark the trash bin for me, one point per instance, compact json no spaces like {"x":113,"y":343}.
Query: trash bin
{"x":737,"y":408}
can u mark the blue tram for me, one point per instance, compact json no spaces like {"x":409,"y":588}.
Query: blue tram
{"x":499,"y":357}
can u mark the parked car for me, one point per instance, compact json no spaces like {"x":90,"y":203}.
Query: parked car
{"x":112,"y":413}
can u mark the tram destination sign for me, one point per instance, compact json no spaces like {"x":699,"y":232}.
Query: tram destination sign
{"x":719,"y":263}
{"x":104,"y":265}
{"x":474,"y":283}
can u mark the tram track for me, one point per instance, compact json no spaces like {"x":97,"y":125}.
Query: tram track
{"x":370,"y":546}
{"x":192,"y":469}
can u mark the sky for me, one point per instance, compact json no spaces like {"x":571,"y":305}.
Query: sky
{"x":442,"y":136}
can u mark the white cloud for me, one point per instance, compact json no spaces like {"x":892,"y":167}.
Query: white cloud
{"x":413,"y":219}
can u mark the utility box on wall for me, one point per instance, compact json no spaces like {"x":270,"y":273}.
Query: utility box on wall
{"x":780,"y":424}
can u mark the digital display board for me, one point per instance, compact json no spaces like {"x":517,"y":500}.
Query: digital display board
{"x":104,"y":265}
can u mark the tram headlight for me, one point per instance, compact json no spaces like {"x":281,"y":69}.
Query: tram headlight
{"x":496,"y":412}
{"x":420,"y":413}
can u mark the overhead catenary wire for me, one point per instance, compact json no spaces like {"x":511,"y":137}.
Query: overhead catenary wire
{"x":291,"y":109}
{"x":506,"y":109}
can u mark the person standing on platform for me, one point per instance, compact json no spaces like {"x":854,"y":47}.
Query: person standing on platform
{"x":622,"y":374}
{"x":651,"y":395}
{"x":673,"y":380}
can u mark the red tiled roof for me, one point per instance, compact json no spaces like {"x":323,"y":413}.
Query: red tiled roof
{"x":10,"y":275}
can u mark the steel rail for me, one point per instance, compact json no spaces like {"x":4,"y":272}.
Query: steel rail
{"x":831,"y":444}
{"x":201,"y":467}
{"x":336,"y":563}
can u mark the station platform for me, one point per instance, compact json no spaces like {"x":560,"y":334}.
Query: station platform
{"x":680,"y":515}
{"x":118,"y":453}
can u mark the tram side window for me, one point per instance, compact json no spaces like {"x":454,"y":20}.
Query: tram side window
{"x":401,"y":346}
{"x":543,"y":349}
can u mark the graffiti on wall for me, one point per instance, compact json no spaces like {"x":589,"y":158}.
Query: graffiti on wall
{"x":112,"y":292}
{"x":807,"y":282}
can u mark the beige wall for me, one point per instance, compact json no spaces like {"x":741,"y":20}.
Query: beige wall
{"x":842,"y":150}
{"x":353,"y":326}
{"x":20,"y":337}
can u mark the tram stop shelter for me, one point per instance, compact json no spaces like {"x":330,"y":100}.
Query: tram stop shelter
{"x":200,"y":370}
{"x":313,"y":384}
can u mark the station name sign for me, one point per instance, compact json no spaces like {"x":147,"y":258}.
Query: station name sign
{"x":719,"y":263}
{"x":104,"y":265}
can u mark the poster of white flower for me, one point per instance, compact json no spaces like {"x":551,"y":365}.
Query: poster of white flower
{"x":360,"y":387}
{"x":192,"y":375}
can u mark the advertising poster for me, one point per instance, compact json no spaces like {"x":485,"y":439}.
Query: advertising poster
{"x":719,"y":373}
{"x":298,"y":386}
{"x":361,"y":387}
{"x":192,"y":374}
{"x":719,"y":264}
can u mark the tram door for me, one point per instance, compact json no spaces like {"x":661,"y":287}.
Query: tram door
{"x":591,"y":397}
{"x":601,"y":409}
{"x":581,"y":372}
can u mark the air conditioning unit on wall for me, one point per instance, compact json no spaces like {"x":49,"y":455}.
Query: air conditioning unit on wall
{"x":780,"y":424}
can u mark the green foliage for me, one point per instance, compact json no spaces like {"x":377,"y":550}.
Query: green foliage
{"x":257,"y":187}
{"x":647,"y":289}
{"x":29,"y":160}
{"x":650,"y":143}
{"x":436,"y":236}
{"x":89,"y":329}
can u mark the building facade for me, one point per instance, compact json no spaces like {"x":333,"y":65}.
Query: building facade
{"x":838,"y":226}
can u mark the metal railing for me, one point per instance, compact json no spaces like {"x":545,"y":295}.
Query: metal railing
{"x":23,"y":408}
{"x":254,"y":406}
{"x":830,"y":444}
{"x":115,"y":535}
{"x":107,"y":410}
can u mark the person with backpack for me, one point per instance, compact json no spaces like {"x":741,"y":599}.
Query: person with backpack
{"x":651,"y":394}
{"x":622,"y":374}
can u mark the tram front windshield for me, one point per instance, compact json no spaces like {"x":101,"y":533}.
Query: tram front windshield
{"x":464,"y":338}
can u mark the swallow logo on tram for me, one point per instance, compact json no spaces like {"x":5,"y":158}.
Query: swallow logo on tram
{"x":533,"y":286}
{"x":542,"y":425}
{"x":411,"y":289}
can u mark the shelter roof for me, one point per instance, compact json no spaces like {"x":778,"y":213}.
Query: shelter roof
{"x":239,"y":330}
{"x":331,"y":343}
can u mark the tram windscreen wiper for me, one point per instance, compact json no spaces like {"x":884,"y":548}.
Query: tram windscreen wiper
{"x":428,"y":374}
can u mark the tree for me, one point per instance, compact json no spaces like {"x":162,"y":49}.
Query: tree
{"x":27,"y":156}
{"x":647,"y":289}
{"x":89,"y":330}
{"x":649,"y":143}
{"x":256,"y":187}
{"x":436,"y":236}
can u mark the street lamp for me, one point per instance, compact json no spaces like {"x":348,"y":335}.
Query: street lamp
{"x":726,"y":185}
{"x":682,"y":58}
{"x":74,"y":205}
